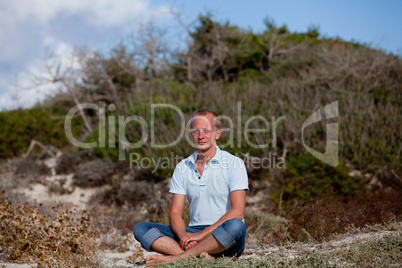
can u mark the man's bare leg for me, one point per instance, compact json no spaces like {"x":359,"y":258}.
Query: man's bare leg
{"x":208,"y":245}
{"x":167,"y":246}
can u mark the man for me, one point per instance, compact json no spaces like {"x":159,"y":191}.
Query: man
{"x":215,"y":184}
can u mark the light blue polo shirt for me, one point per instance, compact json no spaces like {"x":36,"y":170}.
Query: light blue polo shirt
{"x":209,"y":194}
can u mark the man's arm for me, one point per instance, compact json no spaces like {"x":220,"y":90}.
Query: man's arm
{"x":175,"y":215}
{"x":237,"y":201}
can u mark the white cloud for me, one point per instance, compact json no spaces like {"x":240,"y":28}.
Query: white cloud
{"x":28,"y":26}
{"x":34,"y":84}
{"x":104,"y":13}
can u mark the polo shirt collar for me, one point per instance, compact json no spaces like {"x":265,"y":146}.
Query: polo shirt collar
{"x":215,"y":160}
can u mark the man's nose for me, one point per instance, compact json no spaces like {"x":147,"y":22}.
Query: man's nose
{"x":201,"y":135}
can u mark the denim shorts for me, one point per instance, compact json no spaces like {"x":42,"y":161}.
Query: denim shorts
{"x":231,"y":235}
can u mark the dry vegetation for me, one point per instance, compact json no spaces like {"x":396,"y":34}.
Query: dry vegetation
{"x":333,"y":215}
{"x":29,"y":235}
{"x":61,"y":239}
{"x":34,"y":234}
{"x":382,"y":251}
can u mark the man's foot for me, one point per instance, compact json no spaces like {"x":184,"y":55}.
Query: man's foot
{"x":154,"y":260}
{"x":206,"y":256}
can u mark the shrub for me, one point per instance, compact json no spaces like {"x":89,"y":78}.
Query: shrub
{"x":306,"y":178}
{"x":62,"y":239}
{"x":94,"y":173}
{"x":20,"y":127}
{"x":66,"y":164}
{"x":135,"y":192}
{"x":333,"y":214}
{"x":29,"y":170}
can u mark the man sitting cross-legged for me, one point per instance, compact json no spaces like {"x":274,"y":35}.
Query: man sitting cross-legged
{"x":215,"y":184}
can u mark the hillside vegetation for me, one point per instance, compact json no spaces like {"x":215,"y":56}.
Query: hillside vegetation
{"x":233,"y":71}
{"x":250,"y":79}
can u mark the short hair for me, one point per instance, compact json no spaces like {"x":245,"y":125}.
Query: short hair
{"x":205,"y":111}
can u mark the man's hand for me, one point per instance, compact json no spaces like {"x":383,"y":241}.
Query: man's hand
{"x":190,"y":245}
{"x":189,"y":238}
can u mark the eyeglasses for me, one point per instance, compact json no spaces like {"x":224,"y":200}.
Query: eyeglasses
{"x":199,"y":131}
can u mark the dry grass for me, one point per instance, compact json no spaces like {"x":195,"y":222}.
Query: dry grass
{"x":376,"y":251}
{"x":333,"y":215}
{"x":62,"y":239}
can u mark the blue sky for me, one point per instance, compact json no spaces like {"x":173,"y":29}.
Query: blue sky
{"x":30,"y":26}
{"x":378,"y":23}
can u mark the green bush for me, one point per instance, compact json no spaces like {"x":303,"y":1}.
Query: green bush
{"x":20,"y":127}
{"x":306,"y":178}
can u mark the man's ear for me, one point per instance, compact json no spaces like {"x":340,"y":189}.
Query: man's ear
{"x":218,"y":134}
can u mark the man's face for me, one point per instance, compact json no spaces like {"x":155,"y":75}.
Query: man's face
{"x":204,"y":133}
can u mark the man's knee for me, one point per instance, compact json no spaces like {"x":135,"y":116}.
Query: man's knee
{"x":235,"y":228}
{"x":232,"y":236}
{"x":140,"y":229}
{"x":147,"y":232}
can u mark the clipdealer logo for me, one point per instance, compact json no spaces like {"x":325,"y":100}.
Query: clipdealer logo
{"x":331,"y":111}
{"x":331,"y":150}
